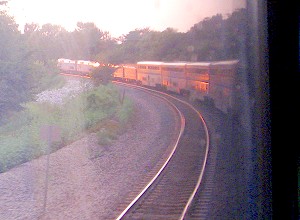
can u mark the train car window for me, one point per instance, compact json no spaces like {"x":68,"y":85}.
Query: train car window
{"x":173,"y":69}
{"x":196,"y":70}
{"x":204,"y":86}
{"x":153,"y":67}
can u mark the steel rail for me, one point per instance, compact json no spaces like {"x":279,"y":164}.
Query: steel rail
{"x":206,"y":151}
{"x":164,"y":165}
{"x":203,"y":165}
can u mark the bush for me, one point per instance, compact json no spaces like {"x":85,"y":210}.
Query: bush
{"x":125,"y":111}
{"x":102,"y":75}
{"x":99,"y":110}
{"x":42,"y":79}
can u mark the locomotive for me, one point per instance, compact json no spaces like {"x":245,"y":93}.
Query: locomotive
{"x":214,"y":82}
{"x":80,"y":67}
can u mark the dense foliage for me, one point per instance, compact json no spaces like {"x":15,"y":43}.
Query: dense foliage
{"x":102,"y":75}
{"x":12,"y":66}
{"x":20,"y":72}
{"x":28,"y":135}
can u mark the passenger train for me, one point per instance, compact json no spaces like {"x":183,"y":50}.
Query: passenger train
{"x":213,"y":82}
{"x":81,"y":67}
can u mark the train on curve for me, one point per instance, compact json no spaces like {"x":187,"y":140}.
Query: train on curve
{"x":79,"y":67}
{"x":216,"y":82}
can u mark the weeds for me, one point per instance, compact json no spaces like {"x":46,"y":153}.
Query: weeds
{"x":26,"y":136}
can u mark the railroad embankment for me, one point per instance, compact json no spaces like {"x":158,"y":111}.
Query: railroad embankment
{"x":60,"y":116}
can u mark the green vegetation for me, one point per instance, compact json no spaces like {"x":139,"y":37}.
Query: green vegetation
{"x":44,"y":77}
{"x":102,"y":75}
{"x":26,"y":135}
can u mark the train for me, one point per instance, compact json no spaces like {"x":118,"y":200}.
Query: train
{"x":79,"y":67}
{"x":217,"y":82}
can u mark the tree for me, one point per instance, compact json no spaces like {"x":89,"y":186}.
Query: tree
{"x":207,"y":38}
{"x":13,"y":78}
{"x":44,"y":43}
{"x":89,"y":39}
{"x":236,"y":27}
{"x":172,"y":45}
{"x":145,"y":44}
{"x":216,"y":38}
{"x":31,"y":28}
{"x":103,"y":75}
{"x":129,"y":47}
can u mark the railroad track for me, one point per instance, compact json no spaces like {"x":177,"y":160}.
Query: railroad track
{"x":173,"y":185}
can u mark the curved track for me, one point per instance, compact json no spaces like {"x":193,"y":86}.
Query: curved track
{"x":170,"y":192}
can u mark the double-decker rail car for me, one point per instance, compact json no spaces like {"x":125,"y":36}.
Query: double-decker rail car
{"x":149,"y":73}
{"x":126,"y":72}
{"x":197,"y":80}
{"x":214,"y":82}
{"x":130,"y":72}
{"x":174,"y":76}
{"x":119,"y":73}
{"x":223,"y":84}
{"x":80,"y":67}
{"x":66,"y":65}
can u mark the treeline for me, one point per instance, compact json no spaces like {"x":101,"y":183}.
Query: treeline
{"x":25,"y":56}
{"x":213,"y":38}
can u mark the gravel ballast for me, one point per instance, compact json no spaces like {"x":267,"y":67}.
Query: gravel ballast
{"x":82,"y":185}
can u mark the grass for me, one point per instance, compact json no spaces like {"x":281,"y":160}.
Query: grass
{"x":26,"y":135}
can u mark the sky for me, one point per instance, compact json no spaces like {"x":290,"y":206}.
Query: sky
{"x":119,"y":17}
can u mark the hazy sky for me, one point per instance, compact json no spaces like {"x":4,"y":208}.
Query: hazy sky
{"x":120,"y":16}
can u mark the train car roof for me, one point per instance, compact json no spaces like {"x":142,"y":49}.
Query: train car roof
{"x":93,"y":63}
{"x":129,"y":65}
{"x":84,"y":61}
{"x":205,"y":64}
{"x":225,"y":62}
{"x":150,"y":63}
{"x":174,"y":64}
{"x":63,"y":60}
